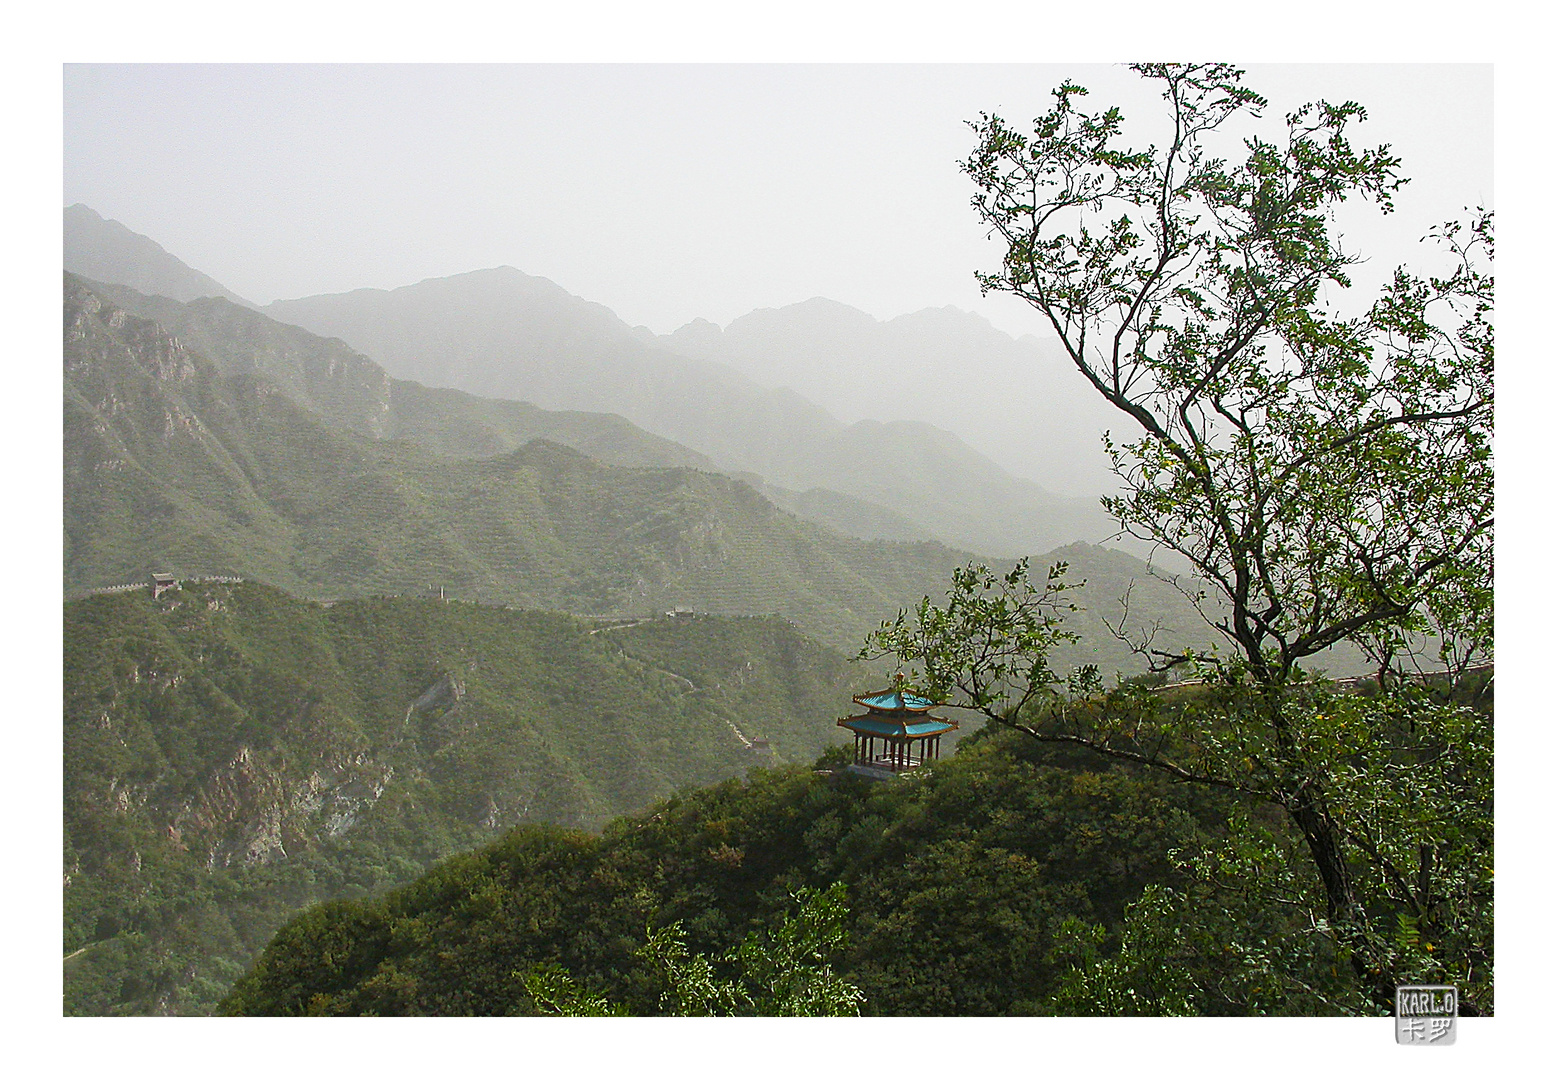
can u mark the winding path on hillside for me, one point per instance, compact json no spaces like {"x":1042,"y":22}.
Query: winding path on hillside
{"x":618,"y":626}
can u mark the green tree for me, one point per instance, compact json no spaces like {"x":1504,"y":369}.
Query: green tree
{"x":786,"y":973}
{"x":1328,"y":477}
{"x":1324,"y":475}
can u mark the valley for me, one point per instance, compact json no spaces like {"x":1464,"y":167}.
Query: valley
{"x":413,"y":618}
{"x":662,"y":540}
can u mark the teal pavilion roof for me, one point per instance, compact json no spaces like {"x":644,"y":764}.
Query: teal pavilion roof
{"x":896,"y":714}
{"x":894,"y":701}
{"x":910,"y":729}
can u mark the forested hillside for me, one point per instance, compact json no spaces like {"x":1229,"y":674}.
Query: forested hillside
{"x":383,"y":698}
{"x":172,"y":464}
{"x":959,"y":884}
{"x":233,"y":753}
{"x":1014,"y":877}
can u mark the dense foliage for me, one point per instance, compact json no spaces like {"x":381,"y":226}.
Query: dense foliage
{"x":1408,"y":780}
{"x":233,"y":754}
{"x":1399,"y":780}
{"x":958,"y":881}
{"x":786,"y":973}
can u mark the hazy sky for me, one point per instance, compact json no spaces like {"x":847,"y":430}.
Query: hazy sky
{"x":666,"y":192}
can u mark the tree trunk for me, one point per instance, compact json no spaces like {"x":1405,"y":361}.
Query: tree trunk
{"x":1340,"y":898}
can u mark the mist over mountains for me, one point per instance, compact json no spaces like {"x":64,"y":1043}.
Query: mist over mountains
{"x":208,"y":437}
{"x":1016,"y":401}
{"x":457,"y":647}
{"x":235,"y":752}
{"x":327,"y":377}
{"x":511,"y":337}
{"x":173,"y":463}
{"x":503,"y":333}
{"x":105,"y":250}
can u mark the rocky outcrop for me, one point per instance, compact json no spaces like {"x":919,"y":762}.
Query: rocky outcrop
{"x":251,"y":812}
{"x":439,"y":698}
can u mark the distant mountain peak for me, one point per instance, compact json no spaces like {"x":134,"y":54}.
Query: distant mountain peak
{"x":823,"y":303}
{"x":697,"y":338}
{"x":816,"y":312}
{"x":106,"y":250}
{"x":947,"y":315}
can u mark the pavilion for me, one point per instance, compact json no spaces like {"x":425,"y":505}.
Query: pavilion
{"x":896,"y":732}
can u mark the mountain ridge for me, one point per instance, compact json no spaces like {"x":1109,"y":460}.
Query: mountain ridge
{"x":171,"y":464}
{"x":507,"y":335}
{"x":98,"y":247}
{"x":1017,"y":401}
{"x":330,"y":378}
{"x":475,"y":331}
